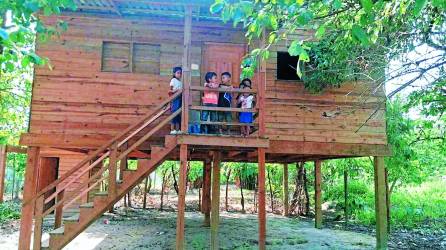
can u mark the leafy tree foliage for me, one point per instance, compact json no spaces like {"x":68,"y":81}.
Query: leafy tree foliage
{"x":19,"y":23}
{"x":352,"y":39}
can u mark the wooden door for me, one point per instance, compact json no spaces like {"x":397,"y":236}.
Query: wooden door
{"x":222,"y":57}
{"x":49,"y":168}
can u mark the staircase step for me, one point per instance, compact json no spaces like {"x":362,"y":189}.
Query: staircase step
{"x":74,"y":218}
{"x":105,"y":193}
{"x":126,"y":173}
{"x":170,"y":140}
{"x":58,"y":231}
{"x":87,"y":205}
{"x":154,"y":150}
{"x":90,"y":211}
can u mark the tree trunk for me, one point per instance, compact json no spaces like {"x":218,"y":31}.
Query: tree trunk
{"x":129,"y":198}
{"x":13,"y":178}
{"x":255,"y":195}
{"x":228,"y":175}
{"x":163,"y":184}
{"x":271,"y":192}
{"x":387,"y":199}
{"x":307,"y":196}
{"x":242,"y":201}
{"x":147,"y":187}
{"x":199,"y":199}
{"x":300,"y":202}
{"x":175,"y":184}
{"x":346,"y":196}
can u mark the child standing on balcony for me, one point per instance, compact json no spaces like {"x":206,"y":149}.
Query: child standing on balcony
{"x":175,"y":86}
{"x":225,"y":101}
{"x":246,"y":101}
{"x":210,"y":99}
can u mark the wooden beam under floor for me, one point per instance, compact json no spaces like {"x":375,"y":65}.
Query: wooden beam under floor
{"x":261,"y":194}
{"x":206,"y":200}
{"x":317,"y":194}
{"x":380,"y":203}
{"x":29,"y":191}
{"x":215,"y":203}
{"x":181,"y":197}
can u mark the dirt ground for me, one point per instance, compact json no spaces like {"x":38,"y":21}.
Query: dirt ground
{"x":152,"y":229}
{"x":135,"y":228}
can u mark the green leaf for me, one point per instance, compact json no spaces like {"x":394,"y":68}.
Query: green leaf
{"x":439,"y":4}
{"x":300,"y":2}
{"x":304,"y":57}
{"x":217,"y":7}
{"x":320,"y":32}
{"x":273,"y":22}
{"x":367,"y":5}
{"x":272,"y":38}
{"x":47,"y":11}
{"x":35,"y":58}
{"x":337,"y":4}
{"x":295,"y":48}
{"x":360,"y":34}
{"x":33,"y":6}
{"x":25,"y":61}
{"x":419,"y":5}
{"x":305,"y":17}
{"x":10,"y":66}
{"x":4,"y":34}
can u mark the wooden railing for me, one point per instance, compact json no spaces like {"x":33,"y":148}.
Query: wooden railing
{"x":201,"y":89}
{"x":114,"y":151}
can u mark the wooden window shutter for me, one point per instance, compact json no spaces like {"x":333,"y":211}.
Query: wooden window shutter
{"x":116,"y":57}
{"x":146,"y":58}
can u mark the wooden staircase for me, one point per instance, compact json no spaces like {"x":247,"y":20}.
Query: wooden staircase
{"x":115,"y":150}
{"x":102,"y":201}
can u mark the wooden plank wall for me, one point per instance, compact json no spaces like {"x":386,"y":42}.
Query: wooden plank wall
{"x":67,"y":159}
{"x":293,"y":113}
{"x":76,"y":98}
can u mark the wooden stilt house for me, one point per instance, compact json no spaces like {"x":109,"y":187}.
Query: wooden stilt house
{"x":105,"y":101}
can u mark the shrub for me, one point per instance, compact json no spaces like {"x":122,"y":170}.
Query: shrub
{"x":9,"y":211}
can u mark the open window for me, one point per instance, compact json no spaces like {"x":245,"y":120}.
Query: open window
{"x":286,"y":66}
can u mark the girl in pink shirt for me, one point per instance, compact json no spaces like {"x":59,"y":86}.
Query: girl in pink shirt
{"x":210,"y":99}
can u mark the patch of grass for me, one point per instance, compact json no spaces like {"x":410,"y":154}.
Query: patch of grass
{"x":198,"y":242}
{"x":296,"y":241}
{"x":9,"y":211}
{"x":411,"y":206}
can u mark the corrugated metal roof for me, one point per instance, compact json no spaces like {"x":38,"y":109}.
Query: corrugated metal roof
{"x":171,"y":8}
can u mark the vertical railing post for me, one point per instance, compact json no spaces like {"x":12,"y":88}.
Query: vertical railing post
{"x":262,"y":198}
{"x":380,"y":203}
{"x":215,"y":201}
{"x":37,"y":242}
{"x":261,"y":89}
{"x":29,"y":191}
{"x":317,"y":194}
{"x":187,"y":76}
{"x":112,"y":169}
{"x":59,"y":211}
{"x":181,"y":197}
{"x":3,"y":154}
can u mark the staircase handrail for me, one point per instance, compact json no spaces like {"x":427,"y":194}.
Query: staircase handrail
{"x":101,"y":150}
